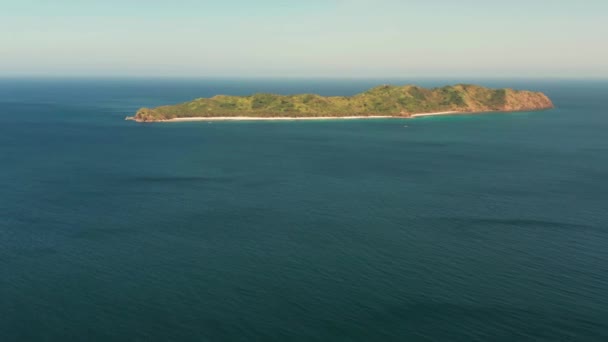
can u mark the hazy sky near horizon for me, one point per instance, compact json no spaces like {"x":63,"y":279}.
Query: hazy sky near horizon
{"x":332,"y":38}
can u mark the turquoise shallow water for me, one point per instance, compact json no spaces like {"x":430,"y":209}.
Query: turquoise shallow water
{"x":479,"y":227}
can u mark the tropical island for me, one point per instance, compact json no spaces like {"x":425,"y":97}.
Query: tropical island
{"x":384,"y":101}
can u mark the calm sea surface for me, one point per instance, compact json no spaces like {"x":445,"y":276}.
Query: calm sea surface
{"x":479,"y":227}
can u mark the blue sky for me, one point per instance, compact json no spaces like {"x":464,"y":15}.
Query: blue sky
{"x":330,"y":38}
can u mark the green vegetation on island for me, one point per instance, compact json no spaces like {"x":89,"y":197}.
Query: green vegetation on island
{"x":395,"y":101}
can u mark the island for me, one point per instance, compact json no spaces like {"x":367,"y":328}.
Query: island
{"x":384,"y":101}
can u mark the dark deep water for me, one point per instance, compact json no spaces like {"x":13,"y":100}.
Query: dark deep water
{"x":482,"y":227}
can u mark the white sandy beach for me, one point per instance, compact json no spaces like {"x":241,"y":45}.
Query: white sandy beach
{"x":277,"y":118}
{"x":433,"y":114}
{"x":289,"y":118}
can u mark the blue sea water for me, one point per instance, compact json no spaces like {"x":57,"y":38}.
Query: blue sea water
{"x":478,"y":227}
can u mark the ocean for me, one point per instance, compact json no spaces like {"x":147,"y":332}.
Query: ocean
{"x":456,"y":228}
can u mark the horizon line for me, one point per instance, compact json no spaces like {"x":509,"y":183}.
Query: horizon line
{"x":297,"y":77}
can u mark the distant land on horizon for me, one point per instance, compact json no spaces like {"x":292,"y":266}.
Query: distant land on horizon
{"x":407,"y":101}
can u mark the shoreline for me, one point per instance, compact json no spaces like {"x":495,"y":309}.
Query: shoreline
{"x":309,"y":118}
{"x":294,"y":118}
{"x":419,"y":115}
{"x":276,"y":118}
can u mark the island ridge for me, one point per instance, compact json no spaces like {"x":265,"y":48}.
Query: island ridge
{"x":383,"y":101}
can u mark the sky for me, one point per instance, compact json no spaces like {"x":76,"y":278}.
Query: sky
{"x":307,"y":38}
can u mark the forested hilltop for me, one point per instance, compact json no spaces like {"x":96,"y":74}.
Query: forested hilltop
{"x":386,"y":100}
